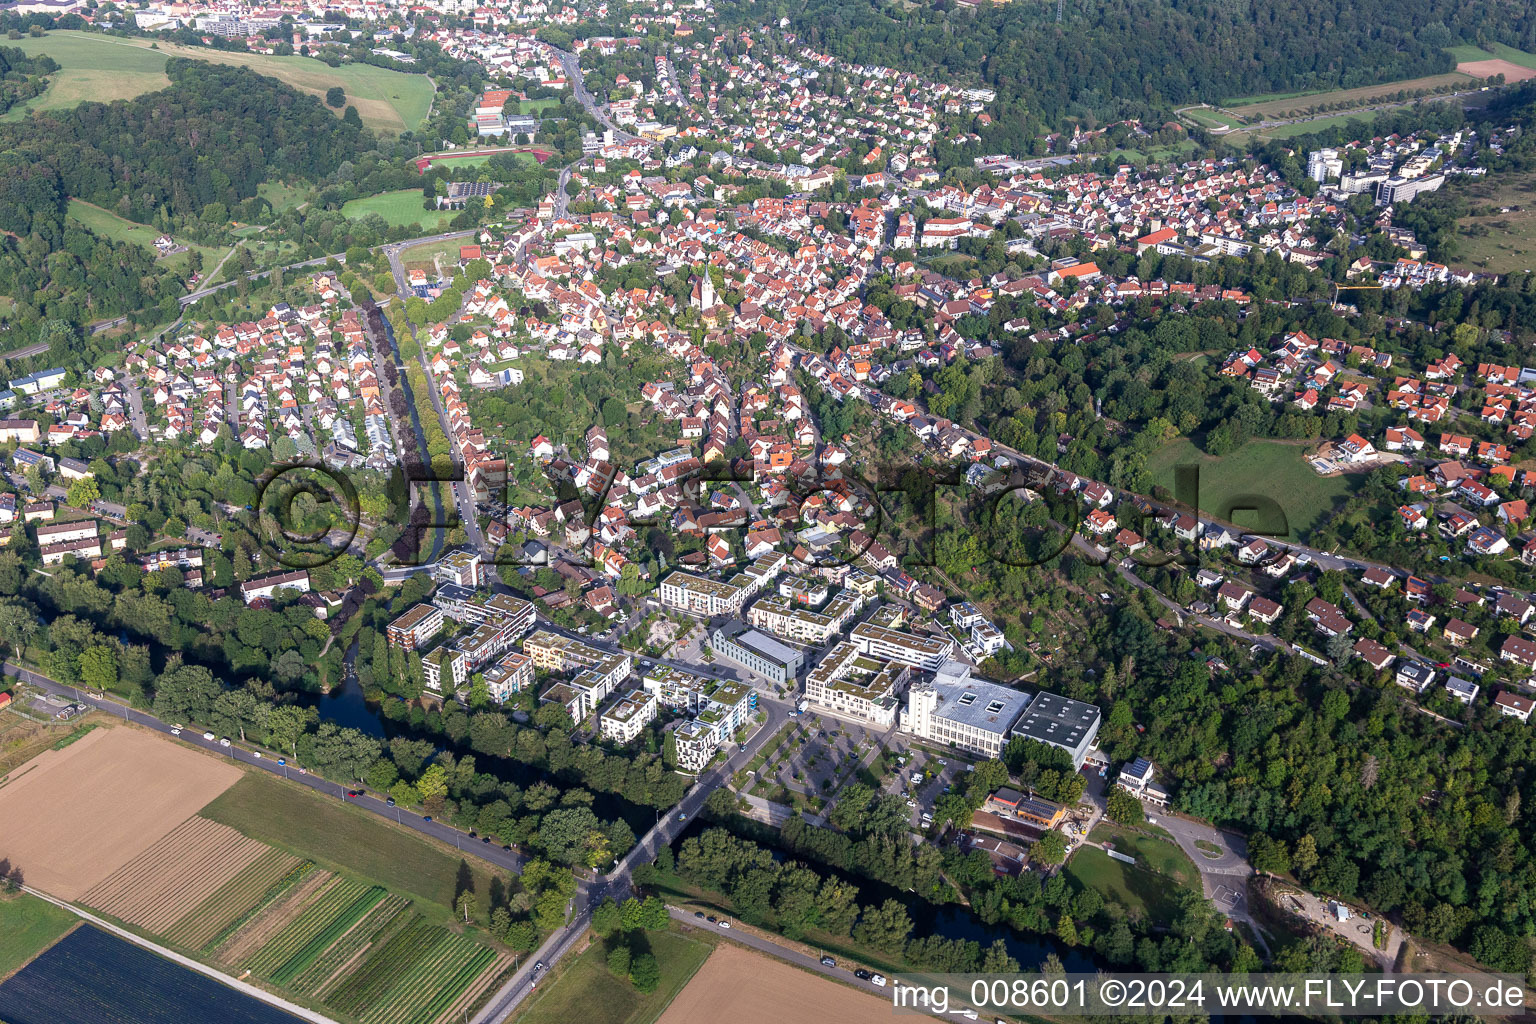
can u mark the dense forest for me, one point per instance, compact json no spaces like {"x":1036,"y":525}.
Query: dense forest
{"x":1139,"y":58}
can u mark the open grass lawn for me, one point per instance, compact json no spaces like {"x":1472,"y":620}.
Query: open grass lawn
{"x":92,"y":67}
{"x":110,"y":225}
{"x":421,"y":257}
{"x":28,"y":926}
{"x":1144,"y":893}
{"x":340,"y":837}
{"x":1503,"y":240}
{"x":400,"y":209}
{"x":98,"y":67}
{"x":1213,"y":118}
{"x":1161,"y":856}
{"x":584,"y":989}
{"x":282,"y":197}
{"x":1286,"y":131}
{"x":1270,"y":469}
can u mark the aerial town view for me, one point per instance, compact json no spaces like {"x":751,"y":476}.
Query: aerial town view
{"x":802,"y":511}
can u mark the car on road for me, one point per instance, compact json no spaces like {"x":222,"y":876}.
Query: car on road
{"x":877,"y":979}
{"x":724,"y":923}
{"x":354,"y":792}
{"x":538,"y":966}
{"x":282,"y":760}
{"x":209,"y":736}
{"x":256,"y":754}
{"x":698,"y":913}
{"x":682,"y":817}
{"x":861,"y":974}
{"x":712,"y":919}
{"x":827,"y":961}
{"x":224,"y":742}
{"x":175,"y":732}
{"x":390,"y":801}
{"x":426,"y":817}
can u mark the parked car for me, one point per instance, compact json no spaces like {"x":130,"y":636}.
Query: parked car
{"x":390,"y":801}
{"x":877,"y":979}
{"x":224,"y":742}
{"x":209,"y":736}
{"x":724,"y":923}
{"x":698,"y":913}
{"x":175,"y":732}
{"x":827,"y":961}
{"x":861,"y":974}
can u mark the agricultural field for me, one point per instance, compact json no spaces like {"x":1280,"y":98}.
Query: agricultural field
{"x":1271,"y":469}
{"x":1259,"y":108}
{"x":585,"y":989}
{"x":28,"y":926}
{"x":744,"y":987}
{"x":67,"y":983}
{"x":123,"y":790}
{"x":22,"y":739}
{"x":91,"y":68}
{"x":104,"y":68}
{"x":342,"y":838}
{"x":172,"y":878}
{"x":399,"y":209}
{"x":421,"y":974}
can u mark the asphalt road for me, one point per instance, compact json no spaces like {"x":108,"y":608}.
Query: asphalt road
{"x":491,"y":852}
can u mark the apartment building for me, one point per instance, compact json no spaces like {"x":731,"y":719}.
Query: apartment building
{"x":701,"y":595}
{"x":512,"y":673}
{"x":627,"y":717}
{"x":52,"y":554}
{"x":696,"y":744}
{"x":63,"y":533}
{"x":784,"y":617}
{"x":677,"y":688}
{"x":444,"y":665}
{"x":925,"y":652}
{"x":266,"y":586}
{"x":596,"y":672}
{"x":412,"y":629}
{"x":730,"y":706}
{"x":465,"y":568}
{"x":853,"y":683}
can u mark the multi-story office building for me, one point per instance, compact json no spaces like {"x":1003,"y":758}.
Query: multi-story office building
{"x":415,"y":627}
{"x":857,"y":684}
{"x":972,"y":714}
{"x":757,"y":652}
{"x":925,"y":652}
{"x":1061,"y":722}
{"x":627,"y":717}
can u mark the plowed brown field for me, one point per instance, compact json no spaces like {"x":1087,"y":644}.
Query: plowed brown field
{"x":744,"y":987}
{"x":81,"y":813}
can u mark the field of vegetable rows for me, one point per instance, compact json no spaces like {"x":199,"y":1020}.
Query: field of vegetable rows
{"x":175,"y":875}
{"x":344,"y":900}
{"x":334,"y":964}
{"x":414,"y":977}
{"x":246,"y":891}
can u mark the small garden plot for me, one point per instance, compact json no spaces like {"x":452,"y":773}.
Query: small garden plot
{"x":244,"y":940}
{"x":338,"y":908}
{"x":236,"y":901}
{"x":165,"y":882}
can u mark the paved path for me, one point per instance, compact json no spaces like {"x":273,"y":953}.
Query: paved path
{"x":1224,"y":878}
{"x":187,"y":962}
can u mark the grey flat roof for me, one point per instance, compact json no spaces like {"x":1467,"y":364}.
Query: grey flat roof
{"x":767,"y":646}
{"x":975,"y":713}
{"x":1059,"y":720}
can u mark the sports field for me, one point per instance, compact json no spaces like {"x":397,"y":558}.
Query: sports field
{"x":399,"y":209}
{"x":74,"y":816}
{"x":104,"y":68}
{"x":744,"y":987}
{"x":1269,"y":469}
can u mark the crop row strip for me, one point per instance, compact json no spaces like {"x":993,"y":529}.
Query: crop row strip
{"x":271,"y":896}
{"x":311,"y":920}
{"x":231,"y":900}
{"x":343,"y":923}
